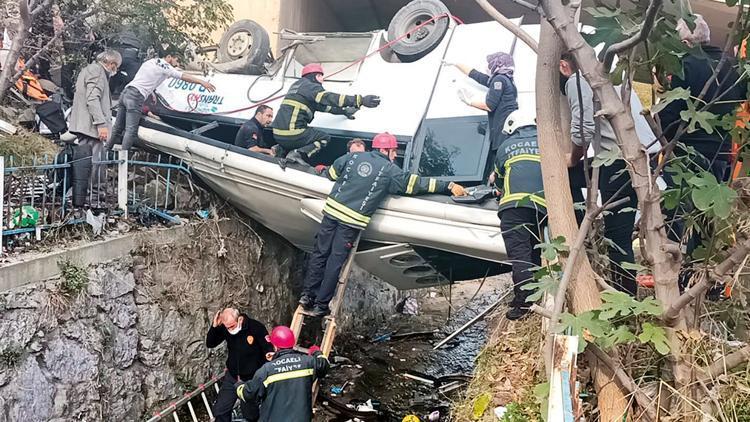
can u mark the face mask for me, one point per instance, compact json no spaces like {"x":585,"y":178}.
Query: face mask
{"x":235,"y":330}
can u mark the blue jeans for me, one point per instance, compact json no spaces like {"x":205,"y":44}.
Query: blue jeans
{"x":129,"y":112}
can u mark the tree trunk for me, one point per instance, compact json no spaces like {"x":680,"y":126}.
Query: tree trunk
{"x":9,"y":67}
{"x":583,"y":294}
{"x":665,"y":265}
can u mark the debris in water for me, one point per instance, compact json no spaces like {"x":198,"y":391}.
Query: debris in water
{"x":408,"y":306}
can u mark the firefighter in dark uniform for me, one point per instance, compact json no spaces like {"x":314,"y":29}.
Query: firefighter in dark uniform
{"x":246,"y":353}
{"x":250,"y":136}
{"x":502,"y":95}
{"x":283,"y":386}
{"x":522,"y":208}
{"x":304,"y":98}
{"x":363,"y":180}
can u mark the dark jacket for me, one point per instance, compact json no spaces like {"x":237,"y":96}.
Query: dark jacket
{"x":502,"y":99}
{"x":697,"y":71}
{"x":250,"y":135}
{"x":303,"y":99}
{"x":246,"y":350}
{"x":518,"y":171}
{"x":283,"y":386}
{"x":363,"y":180}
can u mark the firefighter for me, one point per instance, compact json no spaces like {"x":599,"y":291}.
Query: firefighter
{"x":522,"y":208}
{"x":283,"y":386}
{"x":363,"y":180}
{"x":250,"y":136}
{"x":304,"y":98}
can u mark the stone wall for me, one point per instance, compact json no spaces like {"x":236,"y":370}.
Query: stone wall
{"x":133,"y":338}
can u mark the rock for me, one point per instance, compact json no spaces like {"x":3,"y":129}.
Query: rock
{"x":125,"y":401}
{"x":149,"y":321}
{"x":61,"y":402}
{"x":35,"y":346}
{"x":26,"y":298}
{"x":31,"y":407}
{"x":69,"y":361}
{"x":89,"y":333}
{"x":151,"y":353}
{"x":17,"y":328}
{"x":125,"y":348}
{"x":158,"y":386}
{"x":123,"y":311}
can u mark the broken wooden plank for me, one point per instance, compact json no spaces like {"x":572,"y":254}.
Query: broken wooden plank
{"x":562,"y":383}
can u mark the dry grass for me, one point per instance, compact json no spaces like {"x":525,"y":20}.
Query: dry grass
{"x":508,"y":368}
{"x":24,"y":146}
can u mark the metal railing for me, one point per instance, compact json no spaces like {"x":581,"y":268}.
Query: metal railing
{"x":174,"y":408}
{"x":45,"y":192}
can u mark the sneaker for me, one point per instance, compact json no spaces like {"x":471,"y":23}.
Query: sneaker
{"x":307,"y":302}
{"x":320,"y":311}
{"x":516,"y":313}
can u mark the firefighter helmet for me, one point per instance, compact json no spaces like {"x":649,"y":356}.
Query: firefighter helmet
{"x":312,"y":68}
{"x":384,"y":141}
{"x":282,"y":337}
{"x":518,"y":119}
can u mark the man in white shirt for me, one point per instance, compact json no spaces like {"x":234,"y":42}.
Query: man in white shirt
{"x":130,"y":108}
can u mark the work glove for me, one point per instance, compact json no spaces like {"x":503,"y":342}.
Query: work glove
{"x":464,"y":95}
{"x":457,"y":190}
{"x":312,"y":350}
{"x":349,"y":112}
{"x":239,"y":388}
{"x":371,"y":101}
{"x":320,"y":168}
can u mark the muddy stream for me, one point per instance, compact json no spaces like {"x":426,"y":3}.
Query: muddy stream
{"x":372,"y":365}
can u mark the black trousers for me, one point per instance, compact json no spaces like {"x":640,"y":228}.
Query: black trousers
{"x":224,"y":404}
{"x":522,"y":230}
{"x":618,"y":226}
{"x":309,"y":143}
{"x":332,"y":245}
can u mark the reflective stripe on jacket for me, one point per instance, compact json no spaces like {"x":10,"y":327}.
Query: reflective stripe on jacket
{"x":303,"y":99}
{"x":363,"y":180}
{"x":518,"y":171}
{"x":283,"y":386}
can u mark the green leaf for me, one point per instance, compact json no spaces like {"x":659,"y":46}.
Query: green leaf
{"x":480,"y":405}
{"x":602,"y":12}
{"x":649,"y":306}
{"x":633,"y":266}
{"x":694,"y":118}
{"x":606,"y":157}
{"x":546,"y":284}
{"x":711,"y":196}
{"x":620,"y":335}
{"x":615,"y":303}
{"x":552,"y":248}
{"x":656,"y":336}
{"x":669,"y":96}
{"x":731,"y":3}
{"x":671,"y":198}
{"x":588,"y":322}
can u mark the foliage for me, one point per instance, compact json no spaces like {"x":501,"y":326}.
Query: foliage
{"x":75,"y":278}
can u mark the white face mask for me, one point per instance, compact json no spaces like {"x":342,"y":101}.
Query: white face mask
{"x":235,"y":330}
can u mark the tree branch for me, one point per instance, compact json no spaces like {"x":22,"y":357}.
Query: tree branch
{"x":644,"y":401}
{"x":734,"y":259}
{"x":648,"y":24}
{"x":727,"y":363}
{"x":509,"y":25}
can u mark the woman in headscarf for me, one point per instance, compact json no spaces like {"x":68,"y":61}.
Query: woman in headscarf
{"x":502,"y":96}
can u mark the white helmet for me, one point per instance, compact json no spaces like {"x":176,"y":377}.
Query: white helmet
{"x":518,"y":119}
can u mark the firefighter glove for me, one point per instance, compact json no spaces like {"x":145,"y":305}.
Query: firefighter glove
{"x":240,"y":389}
{"x":457,"y":190}
{"x":320,"y":168}
{"x":349,"y":112}
{"x":312,"y":350}
{"x":371,"y":101}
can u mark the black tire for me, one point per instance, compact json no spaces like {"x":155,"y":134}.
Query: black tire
{"x":418,"y":44}
{"x":233,"y":45}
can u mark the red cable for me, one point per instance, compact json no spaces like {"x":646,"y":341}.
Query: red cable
{"x":360,"y":60}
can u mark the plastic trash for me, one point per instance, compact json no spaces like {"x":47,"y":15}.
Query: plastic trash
{"x":434,"y":416}
{"x":500,"y":412}
{"x":96,"y":222}
{"x":26,"y":217}
{"x":408,"y":306}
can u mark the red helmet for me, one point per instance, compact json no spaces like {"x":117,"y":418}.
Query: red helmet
{"x":385,"y":141}
{"x":282,"y":337}
{"x":312,"y":68}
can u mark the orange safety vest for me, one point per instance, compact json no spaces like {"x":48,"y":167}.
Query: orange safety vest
{"x":29,"y":85}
